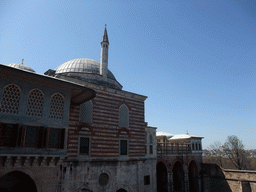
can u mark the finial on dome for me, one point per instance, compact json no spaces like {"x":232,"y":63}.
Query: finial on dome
{"x":187,"y":132}
{"x":22,"y":61}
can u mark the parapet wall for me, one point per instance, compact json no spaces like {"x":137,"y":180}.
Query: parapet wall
{"x":215,"y":178}
{"x":241,"y":180}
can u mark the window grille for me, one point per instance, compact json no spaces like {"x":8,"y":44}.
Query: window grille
{"x":123,"y":147}
{"x":84,"y":146}
{"x":57,"y":106}
{"x":124,"y":116}
{"x":35,"y":103}
{"x":86,"y":110}
{"x":10,"y":99}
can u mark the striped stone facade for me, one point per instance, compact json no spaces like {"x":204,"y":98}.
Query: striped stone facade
{"x":105,"y":131}
{"x":125,"y":172}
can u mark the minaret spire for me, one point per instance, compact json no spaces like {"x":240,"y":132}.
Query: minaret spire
{"x":105,"y":35}
{"x":104,"y":55}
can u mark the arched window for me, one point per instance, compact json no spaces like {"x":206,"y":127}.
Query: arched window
{"x":150,"y":139}
{"x":35,"y":103}
{"x":86,"y":110}
{"x":151,"y":144}
{"x":124,"y":116}
{"x":57,"y":106}
{"x":193,"y":146}
{"x":10,"y":99}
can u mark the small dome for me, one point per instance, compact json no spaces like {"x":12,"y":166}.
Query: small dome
{"x":82,"y":65}
{"x":21,"y":66}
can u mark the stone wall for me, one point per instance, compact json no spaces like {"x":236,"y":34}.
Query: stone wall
{"x":215,"y":178}
{"x":46,"y":178}
{"x":128,"y":175}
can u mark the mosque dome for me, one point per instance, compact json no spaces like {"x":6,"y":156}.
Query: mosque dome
{"x":82,"y":65}
{"x":21,"y":66}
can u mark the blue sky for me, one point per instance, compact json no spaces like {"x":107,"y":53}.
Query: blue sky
{"x":195,"y":60}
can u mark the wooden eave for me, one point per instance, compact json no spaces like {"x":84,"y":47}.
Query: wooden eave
{"x":79,"y":93}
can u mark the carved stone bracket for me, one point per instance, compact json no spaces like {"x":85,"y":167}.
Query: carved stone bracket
{"x":9,"y":161}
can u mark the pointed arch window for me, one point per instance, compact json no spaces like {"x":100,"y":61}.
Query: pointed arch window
{"x":35,"y":103}
{"x":151,"y":139}
{"x":151,"y":144}
{"x":86,"y":110}
{"x":124,"y":116}
{"x":57,"y":106}
{"x":10,"y":99}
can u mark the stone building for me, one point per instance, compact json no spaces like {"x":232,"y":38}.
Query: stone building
{"x":74,"y":129}
{"x":179,"y":159}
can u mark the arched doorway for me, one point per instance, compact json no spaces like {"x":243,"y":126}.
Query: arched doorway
{"x":121,"y":190}
{"x":178,"y":176}
{"x":193,"y":177}
{"x":17,"y":181}
{"x":161,"y":172}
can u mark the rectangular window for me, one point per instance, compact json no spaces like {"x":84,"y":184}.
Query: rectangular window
{"x":147,"y":180}
{"x":151,"y":149}
{"x":123,"y":147}
{"x":56,"y":138}
{"x":32,"y":137}
{"x":32,"y":134}
{"x":84,"y":146}
{"x":8,"y":134}
{"x":146,"y":150}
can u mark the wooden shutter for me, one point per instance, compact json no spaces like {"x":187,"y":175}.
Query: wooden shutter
{"x":62,"y":138}
{"x":41,"y":137}
{"x":14,"y":136}
{"x":8,"y":134}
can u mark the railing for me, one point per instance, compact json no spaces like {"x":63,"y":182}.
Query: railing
{"x":169,"y":149}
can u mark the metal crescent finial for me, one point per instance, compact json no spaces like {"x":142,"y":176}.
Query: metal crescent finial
{"x":22,"y":61}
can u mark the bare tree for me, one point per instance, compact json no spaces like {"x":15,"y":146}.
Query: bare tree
{"x":216,"y":151}
{"x":214,"y":154}
{"x":234,"y":149}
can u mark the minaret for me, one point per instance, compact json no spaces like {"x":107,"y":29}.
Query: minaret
{"x":104,"y":55}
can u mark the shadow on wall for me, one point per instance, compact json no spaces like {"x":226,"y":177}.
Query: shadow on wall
{"x":17,"y":181}
{"x":213,"y":179}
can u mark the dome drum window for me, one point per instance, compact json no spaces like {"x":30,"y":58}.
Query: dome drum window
{"x":10,"y":99}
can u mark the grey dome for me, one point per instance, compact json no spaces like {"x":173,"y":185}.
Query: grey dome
{"x":82,"y":65}
{"x":21,"y":66}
